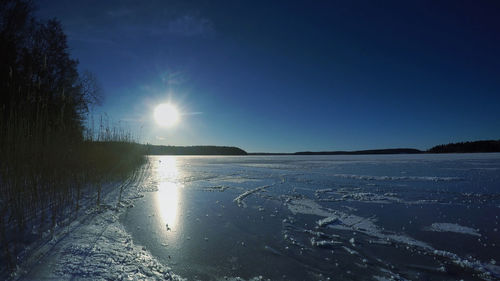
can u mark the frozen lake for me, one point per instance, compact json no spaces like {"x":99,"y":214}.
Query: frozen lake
{"x":427,"y":217}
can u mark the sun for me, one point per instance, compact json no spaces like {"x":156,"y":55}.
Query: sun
{"x":166,"y":115}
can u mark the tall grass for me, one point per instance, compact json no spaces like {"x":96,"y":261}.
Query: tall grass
{"x":45,"y":173}
{"x":49,"y":163}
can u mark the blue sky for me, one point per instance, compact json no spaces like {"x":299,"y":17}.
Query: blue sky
{"x":284,"y":76}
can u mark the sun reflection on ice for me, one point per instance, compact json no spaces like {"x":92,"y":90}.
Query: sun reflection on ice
{"x":167,"y":197}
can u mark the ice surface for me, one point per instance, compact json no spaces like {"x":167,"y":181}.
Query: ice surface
{"x":308,"y":207}
{"x":324,"y":243}
{"x":328,"y":220}
{"x":345,"y":218}
{"x":219,"y":188}
{"x":395,"y":178}
{"x":389,"y":275}
{"x":343,"y":221}
{"x":372,"y":197}
{"x":452,"y":227}
{"x":257,"y":278}
{"x":350,"y":251}
{"x":241,"y":197}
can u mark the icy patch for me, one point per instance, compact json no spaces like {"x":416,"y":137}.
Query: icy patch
{"x":327,"y":221}
{"x":485,"y":268}
{"x":324,"y":190}
{"x":324,"y":243}
{"x":389,"y":178}
{"x":109,"y":255}
{"x":344,"y":221}
{"x":452,"y":227}
{"x":307,"y":207}
{"x":241,"y":197}
{"x":356,"y":194}
{"x":350,"y":222}
{"x":257,"y":278}
{"x":350,"y":251}
{"x":219,"y":188}
{"x":403,"y":239}
{"x":235,"y":179}
{"x":371,"y":197}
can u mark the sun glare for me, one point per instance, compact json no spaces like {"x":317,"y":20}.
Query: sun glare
{"x":166,"y":115}
{"x":167,"y":198}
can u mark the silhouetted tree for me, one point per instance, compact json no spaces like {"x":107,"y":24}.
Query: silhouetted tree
{"x":37,"y":74}
{"x":466,"y":147}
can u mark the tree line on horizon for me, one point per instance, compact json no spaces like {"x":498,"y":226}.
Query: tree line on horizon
{"x":193,"y":150}
{"x":467,"y":147}
{"x":460,"y":147}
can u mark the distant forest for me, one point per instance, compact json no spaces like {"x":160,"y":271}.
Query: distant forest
{"x":193,"y":150}
{"x":461,"y":147}
{"x":468,"y":147}
{"x":360,"y":152}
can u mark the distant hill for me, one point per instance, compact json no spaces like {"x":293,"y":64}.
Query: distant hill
{"x":193,"y":150}
{"x":468,"y":147}
{"x":460,"y":147}
{"x":359,"y":152}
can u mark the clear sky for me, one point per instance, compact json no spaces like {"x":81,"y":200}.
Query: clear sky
{"x":284,"y":76}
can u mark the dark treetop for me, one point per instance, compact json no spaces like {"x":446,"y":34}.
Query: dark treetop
{"x":469,"y":146}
